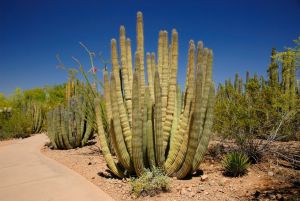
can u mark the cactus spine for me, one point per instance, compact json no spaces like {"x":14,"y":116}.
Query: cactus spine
{"x":160,"y":127}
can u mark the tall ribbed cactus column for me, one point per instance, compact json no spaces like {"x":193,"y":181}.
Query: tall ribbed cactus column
{"x":161,"y":126}
{"x":122,"y":111}
{"x":181,"y":136}
{"x":137,"y":129}
{"x":103,"y":142}
{"x":159,"y":150}
{"x":125,"y":72}
{"x":129,"y":62}
{"x":107,"y":95}
{"x":171,"y":89}
{"x":150,"y":75}
{"x":140,"y":51}
{"x":116,"y":129}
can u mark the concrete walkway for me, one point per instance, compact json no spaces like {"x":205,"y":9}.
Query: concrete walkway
{"x":27,"y":175}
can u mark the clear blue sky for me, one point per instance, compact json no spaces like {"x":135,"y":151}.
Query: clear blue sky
{"x":240,"y":32}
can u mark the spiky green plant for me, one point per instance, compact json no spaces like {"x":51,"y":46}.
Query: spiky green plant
{"x":235,"y":164}
{"x":154,"y":124}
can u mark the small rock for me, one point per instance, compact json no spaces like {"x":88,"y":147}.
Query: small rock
{"x":192,"y":194}
{"x":90,"y":163}
{"x":183,"y":191}
{"x":273,"y":197}
{"x":189,"y":189}
{"x":271,"y":174}
{"x":204,"y":178}
{"x":206,"y":193}
{"x":200,"y":189}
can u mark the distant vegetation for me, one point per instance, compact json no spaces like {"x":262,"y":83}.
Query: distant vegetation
{"x":23,"y":112}
{"x":259,"y":108}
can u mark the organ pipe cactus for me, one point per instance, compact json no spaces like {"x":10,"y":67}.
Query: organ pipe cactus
{"x":155,"y":124}
{"x":71,"y":85}
{"x":68,"y":126}
{"x":37,"y":115}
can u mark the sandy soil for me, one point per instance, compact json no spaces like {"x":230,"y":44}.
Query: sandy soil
{"x":268,"y":180}
{"x":8,"y":142}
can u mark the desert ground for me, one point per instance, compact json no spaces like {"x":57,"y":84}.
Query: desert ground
{"x":271,"y":179}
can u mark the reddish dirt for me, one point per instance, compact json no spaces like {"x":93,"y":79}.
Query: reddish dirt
{"x":267,"y":180}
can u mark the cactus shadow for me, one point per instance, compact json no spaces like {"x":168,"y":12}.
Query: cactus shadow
{"x":198,"y":173}
{"x":290,"y":192}
{"x":90,"y":143}
{"x":107,"y":174}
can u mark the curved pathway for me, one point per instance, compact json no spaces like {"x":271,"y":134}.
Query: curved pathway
{"x":28,"y":175}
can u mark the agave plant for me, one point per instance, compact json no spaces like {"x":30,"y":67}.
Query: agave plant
{"x":235,"y":164}
{"x":155,"y":124}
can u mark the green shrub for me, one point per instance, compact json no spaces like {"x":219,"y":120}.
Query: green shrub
{"x":150,"y":183}
{"x":235,"y":164}
{"x":14,"y":125}
{"x":254,"y":109}
{"x":27,"y":110}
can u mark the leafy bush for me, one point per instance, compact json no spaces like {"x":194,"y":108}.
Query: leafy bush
{"x":235,"y":164}
{"x":13,"y":124}
{"x":254,"y":109}
{"x":150,"y":183}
